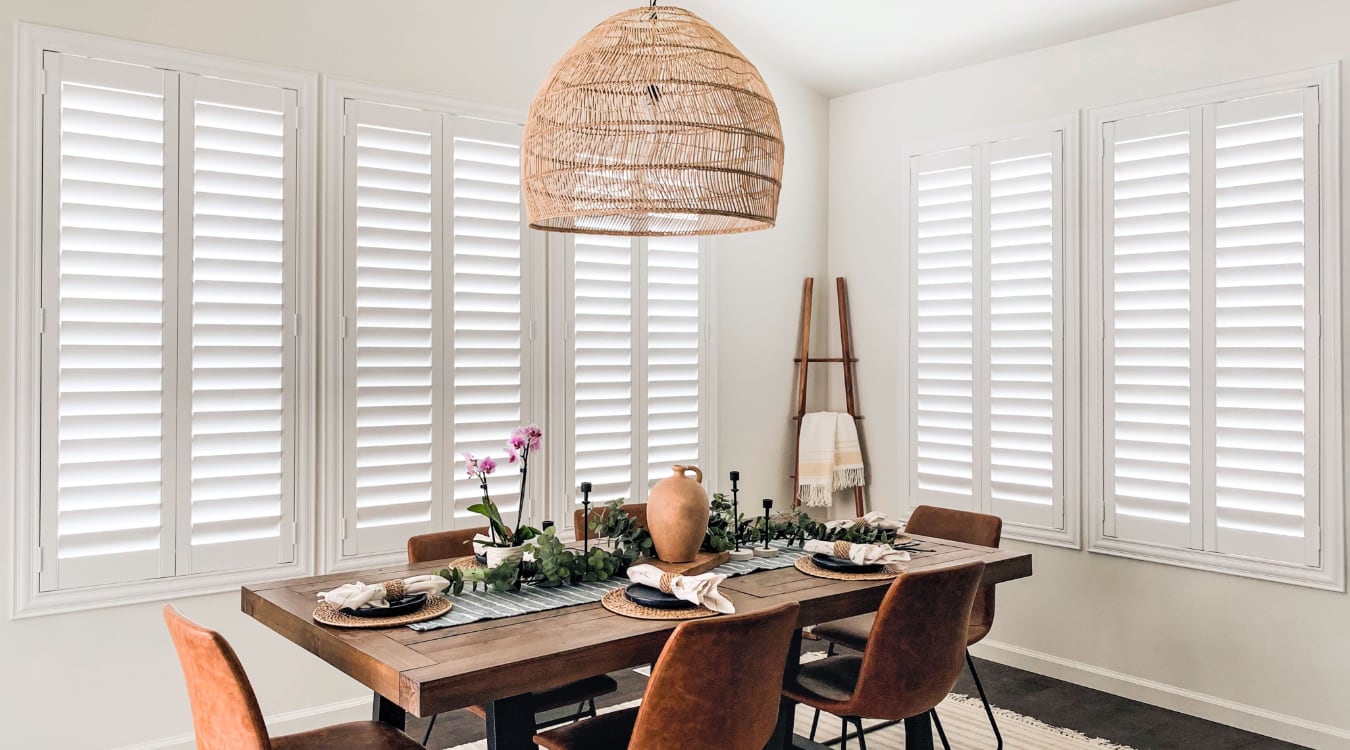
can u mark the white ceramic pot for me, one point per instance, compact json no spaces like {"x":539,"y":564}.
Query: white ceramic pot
{"x":498,"y":555}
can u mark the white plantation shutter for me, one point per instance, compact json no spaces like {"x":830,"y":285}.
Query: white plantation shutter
{"x":943,"y":235}
{"x":393,"y":378}
{"x":674,"y":330}
{"x":488,"y":332}
{"x":1212,"y":316}
{"x":238,"y":353}
{"x":108,"y":401}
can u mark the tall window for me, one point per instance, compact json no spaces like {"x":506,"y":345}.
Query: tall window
{"x":633,"y":341}
{"x":987,"y":356}
{"x":435,"y":358}
{"x":168,"y":318}
{"x":1211,"y":393}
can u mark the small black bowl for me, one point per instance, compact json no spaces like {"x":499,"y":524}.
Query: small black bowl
{"x":410,"y":603}
{"x":655,"y":598}
{"x":841,"y":564}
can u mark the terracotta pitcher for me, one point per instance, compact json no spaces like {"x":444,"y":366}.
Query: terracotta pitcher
{"x":677,"y":515}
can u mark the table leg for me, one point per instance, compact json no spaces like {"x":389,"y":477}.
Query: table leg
{"x":919,"y":732}
{"x":787,"y":709}
{"x":510,"y":723}
{"x":388,"y":712}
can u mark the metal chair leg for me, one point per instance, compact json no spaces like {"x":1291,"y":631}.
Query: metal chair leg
{"x":593,"y":712}
{"x":430,"y":725}
{"x":862,"y":738}
{"x":815,"y":720}
{"x":941,"y":734}
{"x":988,"y":710}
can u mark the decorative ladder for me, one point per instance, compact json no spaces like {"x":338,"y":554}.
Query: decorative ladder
{"x":804,"y":358}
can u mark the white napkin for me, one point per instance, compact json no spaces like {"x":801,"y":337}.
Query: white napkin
{"x":373,"y":595}
{"x":860,"y":554}
{"x":700,"y":589}
{"x":874,"y":519}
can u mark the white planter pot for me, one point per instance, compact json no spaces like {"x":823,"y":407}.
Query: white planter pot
{"x":498,"y":555}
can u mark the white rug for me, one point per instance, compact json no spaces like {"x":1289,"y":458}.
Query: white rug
{"x":963,"y":719}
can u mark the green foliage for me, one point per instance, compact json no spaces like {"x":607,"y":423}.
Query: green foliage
{"x":630,"y":541}
{"x":488,"y":509}
{"x":797,"y":526}
{"x":720,"y":536}
{"x":556,"y":565}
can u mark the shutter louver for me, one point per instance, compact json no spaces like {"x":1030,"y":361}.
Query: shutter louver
{"x":392,"y":374}
{"x":673,"y":332}
{"x":110,"y":188}
{"x":237,"y":353}
{"x":488,"y":342}
{"x":1024,"y":251}
{"x":1151,"y":301}
{"x":604,"y":396}
{"x":944,"y":342}
{"x":1265,"y":498}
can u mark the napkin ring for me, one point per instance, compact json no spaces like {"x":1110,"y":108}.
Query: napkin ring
{"x":667,"y":579}
{"x":841,"y":549}
{"x":394,"y":590}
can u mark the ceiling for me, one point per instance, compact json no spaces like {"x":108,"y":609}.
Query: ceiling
{"x":842,"y":46}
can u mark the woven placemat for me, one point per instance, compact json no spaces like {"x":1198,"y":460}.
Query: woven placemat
{"x":328,"y":614}
{"x":619,"y":604}
{"x":805,"y":565}
{"x":465,"y":563}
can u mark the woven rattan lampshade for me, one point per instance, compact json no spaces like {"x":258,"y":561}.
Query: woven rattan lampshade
{"x":653,"y":124}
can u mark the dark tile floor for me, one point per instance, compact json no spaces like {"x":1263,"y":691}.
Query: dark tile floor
{"x":1054,"y":702}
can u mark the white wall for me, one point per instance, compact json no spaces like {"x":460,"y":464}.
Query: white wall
{"x":108,"y":678}
{"x":1210,"y":641}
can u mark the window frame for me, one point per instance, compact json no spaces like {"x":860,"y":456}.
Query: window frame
{"x":1070,"y":328}
{"x":331,"y":291}
{"x":33,"y":41}
{"x":1330,"y":575}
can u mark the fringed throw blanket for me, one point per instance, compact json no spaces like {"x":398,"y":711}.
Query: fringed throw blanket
{"x":829,"y":457}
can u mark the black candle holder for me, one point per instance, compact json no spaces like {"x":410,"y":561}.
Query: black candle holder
{"x":736,"y":509}
{"x":586,"y":519}
{"x":766,"y":550}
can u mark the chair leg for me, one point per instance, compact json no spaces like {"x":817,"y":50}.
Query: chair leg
{"x":843,"y":735}
{"x":988,"y":710}
{"x":941,"y":734}
{"x":430,"y":725}
{"x":815,"y":720}
{"x":862,"y":738}
{"x":593,"y":712}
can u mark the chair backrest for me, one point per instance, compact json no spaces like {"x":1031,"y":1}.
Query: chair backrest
{"x":918,"y":642}
{"x":637,"y":510}
{"x":721,"y":677}
{"x":442,"y":545}
{"x":225,"y":712}
{"x":969,"y":528}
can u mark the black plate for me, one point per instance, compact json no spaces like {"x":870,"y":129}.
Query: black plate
{"x":841,"y":564}
{"x":482,"y":559}
{"x":655,"y":598}
{"x":403,"y":606}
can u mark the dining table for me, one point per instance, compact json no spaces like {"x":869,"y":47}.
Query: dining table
{"x":497,"y":663}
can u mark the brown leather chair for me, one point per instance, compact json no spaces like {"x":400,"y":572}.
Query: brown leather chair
{"x":637,"y":510}
{"x":716,"y":684}
{"x":443,"y":545}
{"x":942,"y":523}
{"x":912,"y":659}
{"x":225,"y":712}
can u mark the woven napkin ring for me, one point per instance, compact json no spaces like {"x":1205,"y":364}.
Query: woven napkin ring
{"x":841,"y":549}
{"x":394,"y":590}
{"x":860,"y":521}
{"x":666,"y":580}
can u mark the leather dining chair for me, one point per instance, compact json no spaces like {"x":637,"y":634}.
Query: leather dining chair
{"x":225,"y":713}
{"x":442,"y":545}
{"x":958,"y":526}
{"x":637,"y":510}
{"x":912,"y":659}
{"x":716,"y":684}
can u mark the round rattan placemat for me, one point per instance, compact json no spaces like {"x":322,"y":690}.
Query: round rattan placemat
{"x":805,"y":565}
{"x":327,"y":614}
{"x":465,"y":563}
{"x":617,"y":603}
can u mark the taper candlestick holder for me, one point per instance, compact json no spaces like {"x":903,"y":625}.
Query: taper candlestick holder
{"x":737,"y":553}
{"x":766,"y":550}
{"x":586,"y":519}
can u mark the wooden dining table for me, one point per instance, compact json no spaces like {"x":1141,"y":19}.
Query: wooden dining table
{"x":497,"y":663}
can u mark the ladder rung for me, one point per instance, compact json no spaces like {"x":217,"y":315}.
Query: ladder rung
{"x":795,"y":418}
{"x":824,"y":359}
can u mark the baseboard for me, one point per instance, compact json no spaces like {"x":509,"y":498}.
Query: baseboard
{"x":299,"y":720}
{"x":1249,"y":718}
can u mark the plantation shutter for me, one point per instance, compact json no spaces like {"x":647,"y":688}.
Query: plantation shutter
{"x":1152,"y":299}
{"x":393,"y":381}
{"x":238,"y":354}
{"x":943,"y":235}
{"x":488,"y":337}
{"x":1264,"y":352}
{"x":674,"y":329}
{"x":1023,"y":263}
{"x":604,"y":338}
{"x":108,"y":390}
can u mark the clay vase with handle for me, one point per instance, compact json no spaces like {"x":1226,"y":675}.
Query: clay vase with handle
{"x":677,"y":515}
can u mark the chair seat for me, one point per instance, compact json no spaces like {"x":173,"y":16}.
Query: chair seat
{"x":356,"y":735}
{"x":852,"y":632}
{"x":826,"y":684}
{"x":571,"y":694}
{"x":609,"y":731}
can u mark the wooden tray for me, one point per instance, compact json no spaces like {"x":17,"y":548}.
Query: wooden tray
{"x":702,"y":563}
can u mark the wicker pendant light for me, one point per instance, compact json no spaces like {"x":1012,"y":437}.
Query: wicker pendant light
{"x":653,"y":124}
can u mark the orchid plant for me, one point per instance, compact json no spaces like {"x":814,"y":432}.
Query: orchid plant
{"x":523,"y":441}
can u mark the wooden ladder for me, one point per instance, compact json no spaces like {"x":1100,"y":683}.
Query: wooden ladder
{"x":804,"y":358}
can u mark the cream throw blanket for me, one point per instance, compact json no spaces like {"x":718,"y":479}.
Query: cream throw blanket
{"x":829,"y":457}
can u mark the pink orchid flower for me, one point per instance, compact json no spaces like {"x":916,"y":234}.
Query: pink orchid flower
{"x":487,"y":465}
